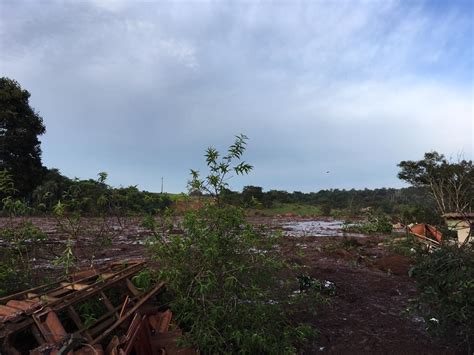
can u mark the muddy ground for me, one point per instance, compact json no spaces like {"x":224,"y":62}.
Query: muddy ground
{"x":373,"y":290}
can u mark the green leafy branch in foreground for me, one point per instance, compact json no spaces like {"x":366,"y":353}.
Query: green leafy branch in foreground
{"x":219,"y":168}
{"x":226,"y":280}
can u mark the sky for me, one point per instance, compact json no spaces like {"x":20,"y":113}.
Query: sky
{"x":332,"y":94}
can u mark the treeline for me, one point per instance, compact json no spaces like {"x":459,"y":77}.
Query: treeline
{"x":411,"y":203}
{"x":95,"y":197}
{"x":89,"y":197}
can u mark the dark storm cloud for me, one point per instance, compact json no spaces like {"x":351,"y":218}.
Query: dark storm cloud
{"x":140,"y":89}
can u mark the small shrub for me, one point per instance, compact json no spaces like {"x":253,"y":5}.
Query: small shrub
{"x":374,"y":223}
{"x":350,"y":243}
{"x":90,"y":310}
{"x":25,"y":241}
{"x":405,"y":245}
{"x":143,"y":280}
{"x":8,"y":281}
{"x":308,"y":283}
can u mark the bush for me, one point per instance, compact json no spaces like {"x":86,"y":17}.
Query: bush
{"x":19,"y":242}
{"x":446,"y":281}
{"x":374,"y":223}
{"x":225,"y":284}
{"x":407,"y":245}
{"x":8,"y":280}
{"x":24,"y":241}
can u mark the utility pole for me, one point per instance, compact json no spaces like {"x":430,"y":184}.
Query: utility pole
{"x":162,"y":184}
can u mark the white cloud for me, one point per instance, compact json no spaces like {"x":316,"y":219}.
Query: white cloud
{"x":110,"y":5}
{"x":312,"y":83}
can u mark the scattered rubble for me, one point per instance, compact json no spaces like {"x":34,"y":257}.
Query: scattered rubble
{"x":46,"y":319}
{"x":427,"y":234}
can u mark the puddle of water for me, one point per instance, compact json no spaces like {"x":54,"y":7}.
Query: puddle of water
{"x":315,"y":228}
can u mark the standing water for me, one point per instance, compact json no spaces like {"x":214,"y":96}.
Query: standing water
{"x":315,"y":228}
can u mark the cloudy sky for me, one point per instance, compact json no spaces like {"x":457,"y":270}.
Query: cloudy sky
{"x":140,"y":89}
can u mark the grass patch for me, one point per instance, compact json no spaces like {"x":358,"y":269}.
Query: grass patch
{"x":348,"y":244}
{"x":300,"y":210}
{"x":403,"y":244}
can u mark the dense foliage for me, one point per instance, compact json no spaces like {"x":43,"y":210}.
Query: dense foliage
{"x":20,"y":126}
{"x":446,"y":280}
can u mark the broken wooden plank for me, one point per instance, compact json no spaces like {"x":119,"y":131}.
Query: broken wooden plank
{"x":112,"y":348}
{"x":77,"y":320}
{"x":132,"y":288}
{"x":90,"y":350}
{"x":24,"y":305}
{"x":51,"y":327}
{"x":165,"y":321}
{"x":144,"y":299}
{"x":105,"y":300}
{"x":83,"y":274}
{"x":74,"y":286}
{"x":138,"y":337}
{"x":9,"y":312}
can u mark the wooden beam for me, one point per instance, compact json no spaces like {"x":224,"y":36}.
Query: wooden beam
{"x":77,"y":320}
{"x":145,"y":298}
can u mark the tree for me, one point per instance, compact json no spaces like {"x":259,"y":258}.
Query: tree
{"x":220,"y":168}
{"x":450,"y":183}
{"x":252,"y":195}
{"x":20,"y":126}
{"x":51,"y":189}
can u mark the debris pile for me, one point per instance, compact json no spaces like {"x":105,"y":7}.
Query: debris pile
{"x":427,"y":234}
{"x":91,"y":312}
